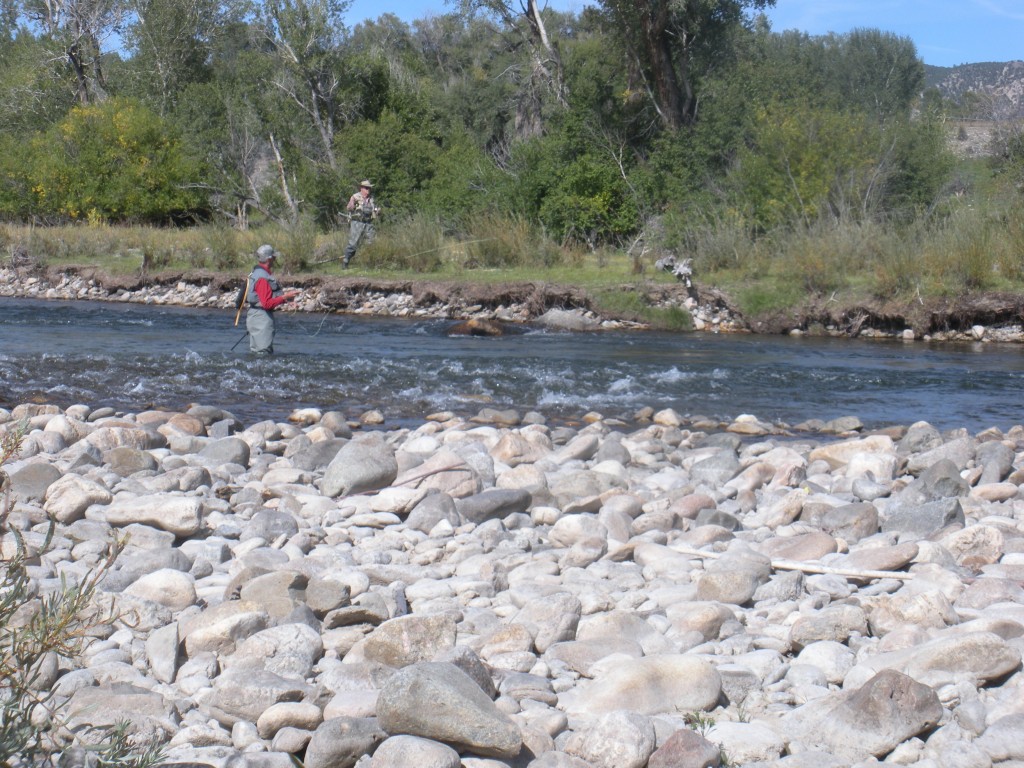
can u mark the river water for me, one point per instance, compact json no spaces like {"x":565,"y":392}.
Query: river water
{"x":134,"y":357}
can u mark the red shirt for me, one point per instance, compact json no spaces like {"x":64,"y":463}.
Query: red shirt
{"x":266,"y":294}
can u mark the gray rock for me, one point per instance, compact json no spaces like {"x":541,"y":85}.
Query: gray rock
{"x":966,"y":656}
{"x":651,"y":685}
{"x":324,"y":594}
{"x":1004,"y":739}
{"x":996,"y":460}
{"x":180,"y":479}
{"x":915,"y":521}
{"x":492,"y":503}
{"x":716,"y":470}
{"x":181,"y":515}
{"x":568,"y":320}
{"x":317,"y":456}
{"x":440,"y":702}
{"x":937,"y":481}
{"x":960,"y":452}
{"x":686,"y":749}
{"x":920,"y":437}
{"x":410,"y":639}
{"x":68,"y":498}
{"x":163,"y":652}
{"x":835,"y":623}
{"x":404,"y":751}
{"x":30,"y":481}
{"x":851,"y":522}
{"x":269,"y":525}
{"x":227,"y":450}
{"x":244,"y":694}
{"x":615,"y":740}
{"x":553,"y":619}
{"x":279,"y":592}
{"x":126,"y":461}
{"x":341,"y":741}
{"x":366,"y":464}
{"x":288,"y":650}
{"x":869,"y":721}
{"x":734,"y":586}
{"x":432,"y":509}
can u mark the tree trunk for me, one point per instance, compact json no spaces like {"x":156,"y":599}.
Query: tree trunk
{"x":674,"y":100}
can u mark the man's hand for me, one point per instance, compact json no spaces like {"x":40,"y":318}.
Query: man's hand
{"x":291,"y":295}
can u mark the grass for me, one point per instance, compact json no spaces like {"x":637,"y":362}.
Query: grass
{"x":633,"y":305}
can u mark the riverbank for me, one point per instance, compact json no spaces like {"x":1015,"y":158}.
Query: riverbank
{"x":510,"y":594}
{"x":973,"y":317}
{"x":565,"y":307}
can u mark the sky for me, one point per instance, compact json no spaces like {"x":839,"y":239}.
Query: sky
{"x":945,"y":32}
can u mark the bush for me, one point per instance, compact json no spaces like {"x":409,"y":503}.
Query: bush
{"x":114,"y":162}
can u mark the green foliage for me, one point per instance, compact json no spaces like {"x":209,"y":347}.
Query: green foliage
{"x":805,"y":163}
{"x":588,"y":202}
{"x":113,"y":162}
{"x":399,"y":154}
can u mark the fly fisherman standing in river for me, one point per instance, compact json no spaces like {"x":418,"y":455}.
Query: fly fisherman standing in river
{"x":363,"y":211}
{"x":264,"y":296}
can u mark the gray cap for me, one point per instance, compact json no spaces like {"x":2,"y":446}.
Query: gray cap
{"x":265,"y":253}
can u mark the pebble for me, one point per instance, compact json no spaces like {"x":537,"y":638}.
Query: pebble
{"x":496,"y":592}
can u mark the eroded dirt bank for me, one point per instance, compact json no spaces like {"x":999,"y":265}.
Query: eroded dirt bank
{"x":979,"y":316}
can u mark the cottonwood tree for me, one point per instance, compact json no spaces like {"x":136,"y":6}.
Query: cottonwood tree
{"x":307,"y":38}
{"x":546,"y":72}
{"x":76,"y":31}
{"x":170,"y":44}
{"x":667,"y":41}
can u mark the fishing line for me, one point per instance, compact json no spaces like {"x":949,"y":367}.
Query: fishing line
{"x":418,"y":253}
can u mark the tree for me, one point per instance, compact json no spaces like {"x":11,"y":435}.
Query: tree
{"x":667,"y":41}
{"x":169,"y":42}
{"x":76,"y":30}
{"x":307,"y":37}
{"x":546,"y":72}
{"x":877,"y":71}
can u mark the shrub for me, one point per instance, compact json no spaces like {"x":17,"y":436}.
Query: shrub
{"x":117,"y":162}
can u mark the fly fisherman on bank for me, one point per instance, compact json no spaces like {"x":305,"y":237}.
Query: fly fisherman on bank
{"x":264,"y":296}
{"x":363,"y":211}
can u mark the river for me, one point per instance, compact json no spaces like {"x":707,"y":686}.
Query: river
{"x":134,"y":357}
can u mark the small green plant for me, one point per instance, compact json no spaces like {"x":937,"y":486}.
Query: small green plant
{"x":700,"y":722}
{"x":36,"y":628}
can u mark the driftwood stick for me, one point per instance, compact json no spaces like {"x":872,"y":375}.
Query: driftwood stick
{"x":795,"y":565}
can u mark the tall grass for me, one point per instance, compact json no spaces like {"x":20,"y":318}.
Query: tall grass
{"x":970,"y":244}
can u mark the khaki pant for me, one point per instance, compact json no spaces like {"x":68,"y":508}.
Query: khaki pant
{"x":358,"y":231}
{"x":260,"y":325}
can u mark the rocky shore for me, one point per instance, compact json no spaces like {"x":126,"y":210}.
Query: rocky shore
{"x":495,"y":592}
{"x":561,"y":307}
{"x":987,"y":317}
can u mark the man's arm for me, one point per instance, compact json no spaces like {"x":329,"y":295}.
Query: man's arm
{"x":267,"y":300}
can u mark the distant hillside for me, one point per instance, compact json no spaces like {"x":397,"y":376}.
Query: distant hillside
{"x":999,"y":83}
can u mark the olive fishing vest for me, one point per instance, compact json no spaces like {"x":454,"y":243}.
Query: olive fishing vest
{"x":364,"y":209}
{"x":259,"y":273}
